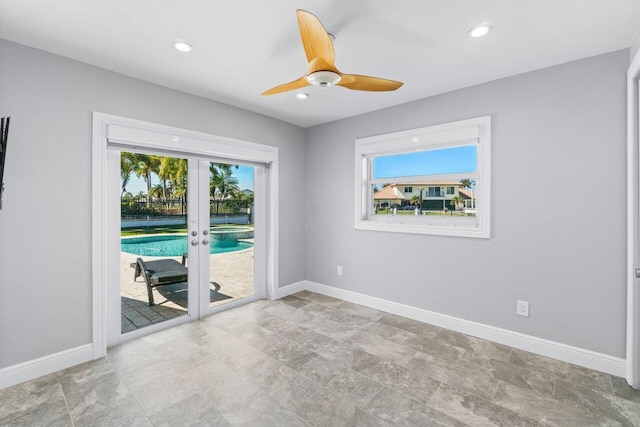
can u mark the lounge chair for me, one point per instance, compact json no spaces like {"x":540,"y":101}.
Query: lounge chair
{"x":159,"y":273}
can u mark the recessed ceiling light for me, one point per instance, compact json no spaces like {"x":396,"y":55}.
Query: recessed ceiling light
{"x":182,"y":46}
{"x":302,"y":95}
{"x":480,"y":30}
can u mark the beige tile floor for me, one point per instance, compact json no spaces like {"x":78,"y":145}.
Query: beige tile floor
{"x":231,"y":274}
{"x":310,"y":360}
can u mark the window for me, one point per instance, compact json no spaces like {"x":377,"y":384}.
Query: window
{"x":434,"y":192}
{"x":434,"y":160}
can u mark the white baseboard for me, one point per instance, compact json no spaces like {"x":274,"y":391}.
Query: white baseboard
{"x":567,"y":353}
{"x":291,"y":289}
{"x":32,"y":369}
{"x":578,"y":356}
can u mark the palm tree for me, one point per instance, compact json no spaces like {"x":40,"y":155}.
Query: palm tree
{"x":467,"y":183}
{"x":178,"y":170}
{"x":157,"y":191}
{"x":222,"y":183}
{"x":226,"y":184}
{"x":127,"y":165}
{"x":145,"y":165}
{"x":415,"y":200}
{"x":217,"y":172}
{"x":165,"y":171}
{"x":456,"y":202}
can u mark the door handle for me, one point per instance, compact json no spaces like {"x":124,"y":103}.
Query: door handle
{"x":205,"y":241}
{"x":637,"y":273}
{"x":194,"y":242}
{"x":205,"y":232}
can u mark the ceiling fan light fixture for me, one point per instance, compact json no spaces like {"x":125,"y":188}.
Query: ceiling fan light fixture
{"x":480,"y":30}
{"x":323,"y":78}
{"x":182,"y":46}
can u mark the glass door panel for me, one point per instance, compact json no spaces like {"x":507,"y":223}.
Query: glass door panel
{"x":154,"y":244}
{"x":187,"y":242}
{"x":231,"y":215}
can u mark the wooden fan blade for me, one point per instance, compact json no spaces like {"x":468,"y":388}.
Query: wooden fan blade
{"x":316,"y":42}
{"x":368,"y":83}
{"x":296,"y":84}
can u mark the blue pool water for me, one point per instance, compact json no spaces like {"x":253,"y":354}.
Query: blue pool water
{"x":175,"y":245}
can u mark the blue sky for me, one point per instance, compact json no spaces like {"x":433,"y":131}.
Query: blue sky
{"x":447,"y":160}
{"x":243,"y":173}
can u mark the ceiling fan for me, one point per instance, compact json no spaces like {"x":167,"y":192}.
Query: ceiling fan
{"x":322,"y":70}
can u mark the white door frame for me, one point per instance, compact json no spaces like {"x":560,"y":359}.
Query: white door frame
{"x":633,"y":224}
{"x":114,"y":130}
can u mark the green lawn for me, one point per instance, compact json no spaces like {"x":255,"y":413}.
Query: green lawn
{"x":431,"y":213}
{"x":166,"y":229}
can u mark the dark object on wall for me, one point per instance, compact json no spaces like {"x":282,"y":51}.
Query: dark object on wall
{"x":4,"y":136}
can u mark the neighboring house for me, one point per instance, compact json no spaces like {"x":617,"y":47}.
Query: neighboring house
{"x":435,"y":195}
{"x":469,"y":198}
{"x":389,"y":196}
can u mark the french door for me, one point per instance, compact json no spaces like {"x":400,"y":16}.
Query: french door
{"x":191,"y":244}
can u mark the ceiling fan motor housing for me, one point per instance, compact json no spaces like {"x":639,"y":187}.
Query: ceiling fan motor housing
{"x":323,"y":78}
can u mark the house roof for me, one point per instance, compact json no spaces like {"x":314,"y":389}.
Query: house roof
{"x":389,"y":193}
{"x":428,"y":183}
{"x":466,"y":194}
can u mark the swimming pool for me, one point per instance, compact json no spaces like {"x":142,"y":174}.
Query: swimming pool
{"x":175,"y":245}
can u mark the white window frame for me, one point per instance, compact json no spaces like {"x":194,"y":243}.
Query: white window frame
{"x":447,"y":135}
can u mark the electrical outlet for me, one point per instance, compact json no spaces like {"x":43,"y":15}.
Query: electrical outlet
{"x":522,"y":308}
{"x":339,"y":270}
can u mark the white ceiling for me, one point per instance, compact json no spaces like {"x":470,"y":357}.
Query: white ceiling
{"x":242,"y":48}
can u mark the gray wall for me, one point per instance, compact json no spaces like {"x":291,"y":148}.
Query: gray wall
{"x":558,"y":147}
{"x":558,"y":209}
{"x":635,"y":46}
{"x":45,"y":226}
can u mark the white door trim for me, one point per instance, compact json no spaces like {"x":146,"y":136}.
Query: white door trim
{"x":633,"y":224}
{"x":110,"y":129}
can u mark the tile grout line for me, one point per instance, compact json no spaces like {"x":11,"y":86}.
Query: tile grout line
{"x":433,"y":394}
{"x":348,"y":400}
{"x":495,"y":390}
{"x":415,"y":371}
{"x":364,"y":375}
{"x":66,"y":404}
{"x":129,"y":390}
{"x":331,"y":392}
{"x":382,"y":385}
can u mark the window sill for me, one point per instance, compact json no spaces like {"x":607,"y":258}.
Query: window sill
{"x":460,"y":229}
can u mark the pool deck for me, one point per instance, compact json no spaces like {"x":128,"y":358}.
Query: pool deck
{"x":232,"y":272}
